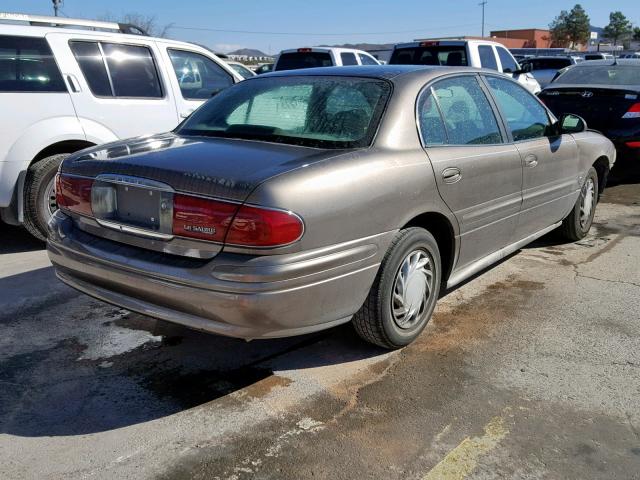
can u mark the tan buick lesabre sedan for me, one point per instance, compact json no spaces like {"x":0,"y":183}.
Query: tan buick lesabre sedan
{"x":300,"y":200}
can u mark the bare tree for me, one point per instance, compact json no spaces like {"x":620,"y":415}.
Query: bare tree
{"x":149,"y":23}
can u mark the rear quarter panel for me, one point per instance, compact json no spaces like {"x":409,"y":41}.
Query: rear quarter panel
{"x":592,"y":146}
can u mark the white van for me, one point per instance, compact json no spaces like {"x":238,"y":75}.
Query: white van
{"x":470,"y":53}
{"x":68,"y":84}
{"x":297,"y":58}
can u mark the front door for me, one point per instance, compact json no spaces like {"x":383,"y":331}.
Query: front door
{"x":479,"y":175}
{"x":550,"y":161}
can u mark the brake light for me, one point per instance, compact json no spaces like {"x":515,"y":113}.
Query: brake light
{"x":633,"y":144}
{"x":262,"y":227}
{"x":633,"y":112}
{"x":220,"y":221}
{"x":304,"y":50}
{"x":74,"y":193}
{"x":429,"y":44}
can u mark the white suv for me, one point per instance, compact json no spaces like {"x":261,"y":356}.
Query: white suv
{"x":468,"y":53}
{"x":298,"y":58}
{"x":65,"y":89}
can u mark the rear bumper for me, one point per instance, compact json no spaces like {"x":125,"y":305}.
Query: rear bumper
{"x":235,"y":295}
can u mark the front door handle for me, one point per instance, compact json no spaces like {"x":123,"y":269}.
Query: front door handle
{"x":530,"y":160}
{"x":451,"y":175}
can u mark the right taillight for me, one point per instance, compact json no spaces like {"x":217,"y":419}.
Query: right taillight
{"x":74,"y":193}
{"x":633,"y":112}
{"x":221,"y":221}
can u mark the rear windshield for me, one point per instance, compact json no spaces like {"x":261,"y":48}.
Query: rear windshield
{"x":324,"y":112}
{"x":298,"y":60}
{"x":601,"y":75}
{"x":452,"y":56}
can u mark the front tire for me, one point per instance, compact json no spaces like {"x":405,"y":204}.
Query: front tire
{"x":578,"y":223}
{"x":39,"y":194}
{"x":404,"y":293}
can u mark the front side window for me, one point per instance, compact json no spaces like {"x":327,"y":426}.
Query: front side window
{"x":526,"y":117}
{"x":487,"y":58}
{"x":367,"y":60}
{"x":325,"y":112}
{"x":199,"y":77}
{"x":509,"y":65}
{"x":467,"y":113}
{"x":27,"y":65}
{"x":348,"y":58}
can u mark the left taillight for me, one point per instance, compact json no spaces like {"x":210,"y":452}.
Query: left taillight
{"x":74,"y":193}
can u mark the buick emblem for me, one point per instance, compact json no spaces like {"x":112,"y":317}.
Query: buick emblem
{"x":587,"y":94}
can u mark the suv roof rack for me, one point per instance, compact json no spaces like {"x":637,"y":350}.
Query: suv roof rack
{"x":48,"y":21}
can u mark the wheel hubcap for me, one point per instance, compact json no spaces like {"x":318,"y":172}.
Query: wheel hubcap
{"x":586,"y":205}
{"x":49,"y":198}
{"x":412,"y":289}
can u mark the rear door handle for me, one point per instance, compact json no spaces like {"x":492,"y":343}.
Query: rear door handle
{"x":530,"y":161}
{"x":451,"y":175}
{"x":73,"y":84}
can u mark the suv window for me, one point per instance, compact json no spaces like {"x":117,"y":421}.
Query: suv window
{"x":549,"y":63}
{"x":348,"y":58}
{"x":366,"y":59}
{"x":117,"y":70}
{"x":199,"y":77}
{"x":487,"y":58}
{"x":27,"y":65}
{"x":449,"y":55}
{"x":297,"y":60}
{"x":509,"y":65}
{"x":526,"y":118}
{"x":467,"y":113}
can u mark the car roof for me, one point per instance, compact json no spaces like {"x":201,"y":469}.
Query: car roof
{"x":446,"y":42}
{"x":324,"y":49}
{"x":620,"y":61}
{"x":550,"y":57}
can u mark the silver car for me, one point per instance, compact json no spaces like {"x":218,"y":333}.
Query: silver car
{"x":296,"y":201}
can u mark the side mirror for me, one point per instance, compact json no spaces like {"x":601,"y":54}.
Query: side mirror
{"x":571,"y":123}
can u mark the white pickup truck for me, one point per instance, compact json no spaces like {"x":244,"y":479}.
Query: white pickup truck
{"x":67,"y":84}
{"x":458,"y":53}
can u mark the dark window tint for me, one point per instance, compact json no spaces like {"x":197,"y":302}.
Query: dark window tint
{"x":91,"y":63}
{"x":451,"y":56}
{"x":526,"y":118}
{"x":468,"y":116}
{"x":507,"y":61}
{"x":348,"y":58}
{"x":431,"y":123}
{"x":367,"y":60}
{"x":325,"y":112}
{"x":586,"y":74}
{"x":487,"y":58}
{"x":27,"y":65}
{"x":549,"y":63}
{"x":297,"y":60}
{"x":133,"y":71}
{"x":199,"y":77}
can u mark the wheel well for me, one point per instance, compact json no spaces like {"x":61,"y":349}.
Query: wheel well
{"x":67,"y":146}
{"x":602,"y":169}
{"x":440,"y":227}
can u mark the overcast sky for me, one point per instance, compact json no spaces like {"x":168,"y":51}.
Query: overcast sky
{"x":274,"y":25}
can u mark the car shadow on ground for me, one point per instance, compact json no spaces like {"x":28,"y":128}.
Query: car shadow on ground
{"x":17,"y":240}
{"x":84,"y":367}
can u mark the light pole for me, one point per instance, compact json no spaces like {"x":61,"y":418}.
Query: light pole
{"x":482,"y":4}
{"x":56,"y":6}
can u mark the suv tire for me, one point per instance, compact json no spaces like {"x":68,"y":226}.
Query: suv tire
{"x":404,"y":293}
{"x":38,"y":204}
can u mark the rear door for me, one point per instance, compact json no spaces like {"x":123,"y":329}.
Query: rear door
{"x":550,"y":161}
{"x":479,"y":174}
{"x":117,"y":85}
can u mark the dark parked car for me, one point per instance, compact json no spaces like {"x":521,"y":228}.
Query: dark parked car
{"x":607,"y":95}
{"x":301,"y":200}
{"x":544,"y":69}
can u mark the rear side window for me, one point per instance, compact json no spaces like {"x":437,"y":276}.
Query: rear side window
{"x":367,"y":60}
{"x":27,"y":65}
{"x":526,"y":118}
{"x":298,"y":60}
{"x":199,"y":77}
{"x":116,"y":70}
{"x":467,"y":113}
{"x":509,"y":65}
{"x":430,"y":121}
{"x":487,"y":58}
{"x":348,"y":58}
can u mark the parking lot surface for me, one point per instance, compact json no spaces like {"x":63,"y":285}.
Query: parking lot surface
{"x":530,"y":370}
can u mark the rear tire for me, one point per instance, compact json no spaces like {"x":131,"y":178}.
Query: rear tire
{"x":578,"y":223}
{"x":39,"y":194}
{"x":404,"y":293}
